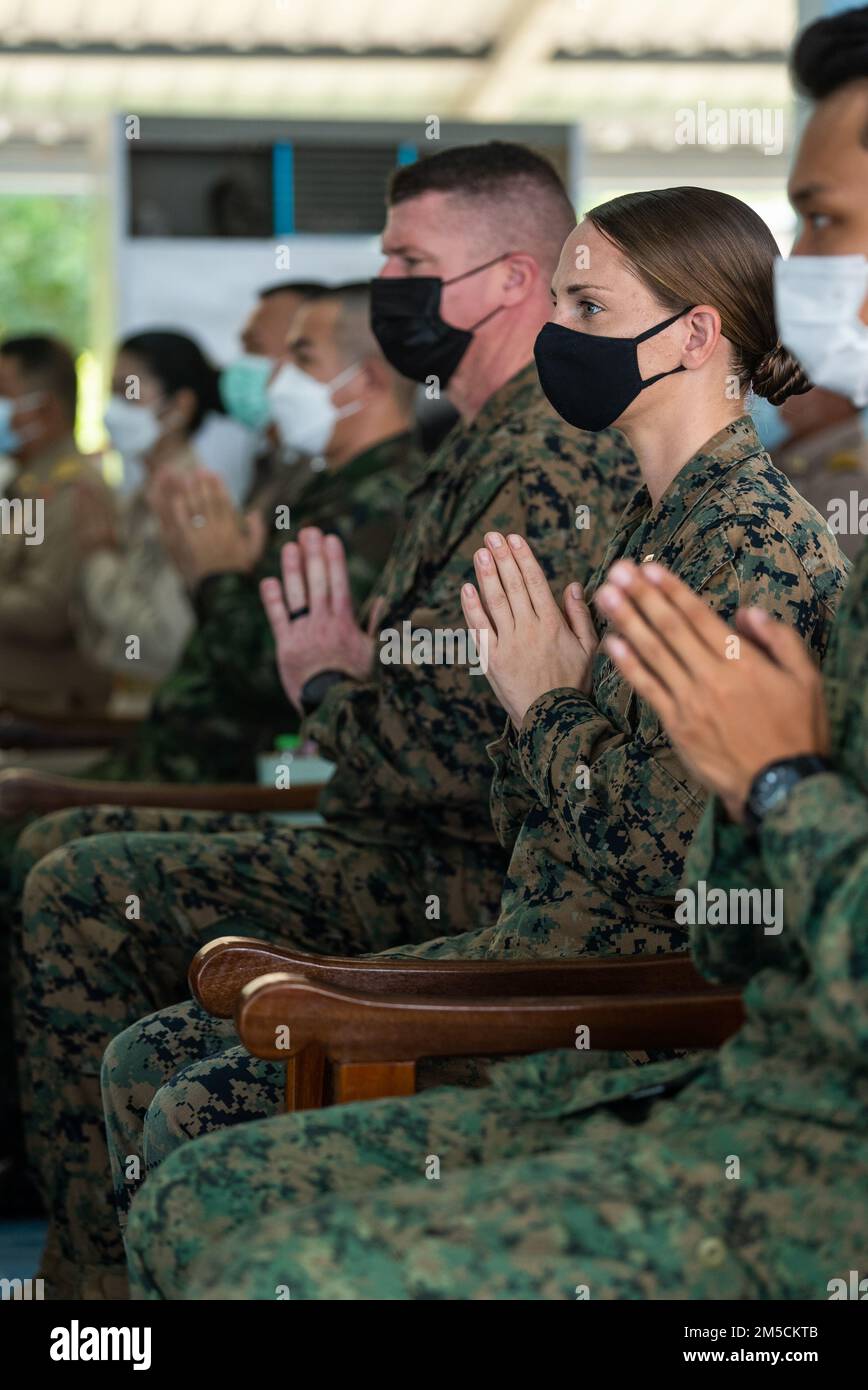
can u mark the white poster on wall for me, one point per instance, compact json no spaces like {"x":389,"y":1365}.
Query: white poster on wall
{"x":207,"y":288}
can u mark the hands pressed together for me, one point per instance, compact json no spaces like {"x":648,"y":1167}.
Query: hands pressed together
{"x":532,"y":646}
{"x":311,"y":614}
{"x":202,"y":529}
{"x":731,"y":702}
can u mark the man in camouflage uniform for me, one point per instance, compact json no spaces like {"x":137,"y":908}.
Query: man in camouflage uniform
{"x":408,"y":839}
{"x":597,"y":860}
{"x":597,"y":803}
{"x":740,"y":1175}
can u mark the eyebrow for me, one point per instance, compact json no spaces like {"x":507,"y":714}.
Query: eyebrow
{"x":578,"y":289}
{"x":806,"y":192}
{"x":399,"y":250}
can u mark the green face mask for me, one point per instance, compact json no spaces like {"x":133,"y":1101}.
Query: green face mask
{"x":243,"y":390}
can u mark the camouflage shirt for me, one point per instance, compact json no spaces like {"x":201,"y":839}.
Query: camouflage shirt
{"x":608,"y":809}
{"x":224,"y":702}
{"x":804,"y":1047}
{"x":410,"y":742}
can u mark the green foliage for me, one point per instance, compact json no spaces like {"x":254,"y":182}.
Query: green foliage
{"x":46,"y":266}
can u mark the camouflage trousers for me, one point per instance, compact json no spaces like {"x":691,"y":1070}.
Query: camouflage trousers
{"x":109,"y":924}
{"x":553,"y":1182}
{"x":178,"y":1074}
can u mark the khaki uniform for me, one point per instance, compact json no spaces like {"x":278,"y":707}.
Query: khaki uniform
{"x":42,"y":668}
{"x":830,"y":469}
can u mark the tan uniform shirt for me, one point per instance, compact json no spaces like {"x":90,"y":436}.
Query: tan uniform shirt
{"x":42,"y":670}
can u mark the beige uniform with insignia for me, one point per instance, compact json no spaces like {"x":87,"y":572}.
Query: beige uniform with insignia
{"x":830,"y":469}
{"x":42,"y":669}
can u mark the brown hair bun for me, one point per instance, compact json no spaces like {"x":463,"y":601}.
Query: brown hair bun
{"x":777,"y":375}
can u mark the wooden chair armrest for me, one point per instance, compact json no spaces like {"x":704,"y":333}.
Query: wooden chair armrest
{"x":340,"y":1045}
{"x":23,"y":791}
{"x":221,"y":969}
{"x":29,"y":732}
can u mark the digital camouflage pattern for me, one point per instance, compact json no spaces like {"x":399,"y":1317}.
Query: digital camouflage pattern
{"x":224,"y":703}
{"x":565,"y":1178}
{"x":591,"y":795}
{"x":407,"y":811}
{"x":595,"y":868}
{"x":517,"y":467}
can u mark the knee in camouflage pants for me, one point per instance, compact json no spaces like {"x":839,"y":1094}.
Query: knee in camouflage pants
{"x":109,"y":926}
{"x":551,"y":1183}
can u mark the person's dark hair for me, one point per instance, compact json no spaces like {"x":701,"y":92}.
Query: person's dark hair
{"x":305,"y":289}
{"x":177,"y":362}
{"x":515,"y":194}
{"x":830,"y":53}
{"x":699,"y":246}
{"x":49,"y":365}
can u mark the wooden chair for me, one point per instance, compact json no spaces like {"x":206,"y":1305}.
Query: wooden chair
{"x":28,"y":733}
{"x":352,"y":1029}
{"x":24,"y":792}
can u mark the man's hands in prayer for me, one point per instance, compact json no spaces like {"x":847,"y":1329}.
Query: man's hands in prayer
{"x":532,"y":647}
{"x":731,"y":702}
{"x":311,"y":614}
{"x":202,"y":530}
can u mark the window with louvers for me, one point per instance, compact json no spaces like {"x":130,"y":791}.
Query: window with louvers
{"x":341,"y":189}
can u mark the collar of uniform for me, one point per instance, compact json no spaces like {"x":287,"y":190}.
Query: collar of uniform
{"x":701,"y":475}
{"x":382,"y":455}
{"x":500,"y":402}
{"x":449,"y":454}
{"x":40,"y":469}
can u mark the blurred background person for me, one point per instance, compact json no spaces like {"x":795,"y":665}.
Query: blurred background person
{"x":42,"y":556}
{"x":335,"y":400}
{"x":136,"y":614}
{"x":244,"y":385}
{"x":820,"y":440}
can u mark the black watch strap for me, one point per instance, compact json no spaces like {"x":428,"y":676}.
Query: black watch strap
{"x":773,"y":784}
{"x":314,"y":691}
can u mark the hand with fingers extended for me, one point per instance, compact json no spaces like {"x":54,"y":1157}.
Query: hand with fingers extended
{"x":202,"y":530}
{"x":311,"y":614}
{"x":732,"y":702}
{"x":532,"y":646}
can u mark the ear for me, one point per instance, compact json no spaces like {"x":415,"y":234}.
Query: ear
{"x":374,"y":377}
{"x":520,"y":276}
{"x":702,"y":335}
{"x":183,"y":407}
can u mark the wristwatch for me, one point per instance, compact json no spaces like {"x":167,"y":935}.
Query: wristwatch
{"x":773,"y":784}
{"x":314,"y":691}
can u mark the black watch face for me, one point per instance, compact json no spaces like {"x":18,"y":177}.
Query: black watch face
{"x":773,"y":786}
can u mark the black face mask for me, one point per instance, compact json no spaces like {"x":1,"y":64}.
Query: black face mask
{"x":591,"y":381}
{"x":406,"y":322}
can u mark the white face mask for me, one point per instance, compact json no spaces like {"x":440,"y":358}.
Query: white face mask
{"x":817,"y":304}
{"x":133,"y":429}
{"x":303,"y":410}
